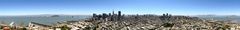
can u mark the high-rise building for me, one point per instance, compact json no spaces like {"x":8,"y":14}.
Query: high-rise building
{"x":109,"y":14}
{"x":104,"y":15}
{"x":112,"y":12}
{"x":94,"y":15}
{"x":119,"y":13}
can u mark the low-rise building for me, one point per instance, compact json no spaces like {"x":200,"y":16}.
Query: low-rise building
{"x":38,"y":26}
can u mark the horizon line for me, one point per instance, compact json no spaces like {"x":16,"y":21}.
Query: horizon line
{"x":124,"y":14}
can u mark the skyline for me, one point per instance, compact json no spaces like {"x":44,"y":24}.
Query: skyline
{"x":88,"y":7}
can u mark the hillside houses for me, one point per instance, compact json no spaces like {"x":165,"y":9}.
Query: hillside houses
{"x":38,"y":26}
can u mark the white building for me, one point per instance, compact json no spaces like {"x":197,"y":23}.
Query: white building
{"x":37,"y":26}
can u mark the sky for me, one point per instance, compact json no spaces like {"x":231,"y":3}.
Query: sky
{"x":88,"y":7}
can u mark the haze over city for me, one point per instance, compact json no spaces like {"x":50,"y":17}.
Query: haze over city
{"x":87,"y":7}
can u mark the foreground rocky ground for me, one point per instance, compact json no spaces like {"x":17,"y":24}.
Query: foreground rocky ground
{"x":150,"y":22}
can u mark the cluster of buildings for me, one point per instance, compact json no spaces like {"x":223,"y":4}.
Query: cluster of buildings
{"x":108,"y":17}
{"x":181,"y":23}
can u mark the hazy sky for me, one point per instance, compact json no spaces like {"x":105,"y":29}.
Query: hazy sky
{"x":87,"y":7}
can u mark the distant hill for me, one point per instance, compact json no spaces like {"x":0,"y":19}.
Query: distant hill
{"x":233,"y":18}
{"x":44,"y":15}
{"x":43,"y":19}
